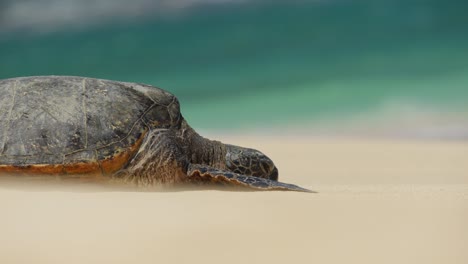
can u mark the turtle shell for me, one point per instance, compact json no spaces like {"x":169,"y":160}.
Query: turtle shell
{"x":66,"y":125}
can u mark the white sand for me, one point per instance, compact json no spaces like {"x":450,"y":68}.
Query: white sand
{"x":378,"y":202}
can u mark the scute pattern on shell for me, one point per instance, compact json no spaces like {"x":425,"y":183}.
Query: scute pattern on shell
{"x":66,"y":120}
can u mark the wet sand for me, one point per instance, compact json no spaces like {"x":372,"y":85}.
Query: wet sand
{"x":379,"y":201}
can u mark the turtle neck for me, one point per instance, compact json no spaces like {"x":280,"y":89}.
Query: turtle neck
{"x":201,"y":150}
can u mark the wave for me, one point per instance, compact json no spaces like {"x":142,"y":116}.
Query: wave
{"x":46,"y":15}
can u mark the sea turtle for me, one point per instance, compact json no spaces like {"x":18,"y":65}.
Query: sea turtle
{"x":118,"y":131}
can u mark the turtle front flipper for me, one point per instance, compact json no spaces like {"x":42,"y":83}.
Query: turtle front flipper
{"x":204,"y":174}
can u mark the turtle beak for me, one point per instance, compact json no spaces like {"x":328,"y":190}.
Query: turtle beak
{"x":274,"y":174}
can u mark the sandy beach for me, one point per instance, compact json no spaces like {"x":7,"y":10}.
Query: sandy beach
{"x":379,"y":201}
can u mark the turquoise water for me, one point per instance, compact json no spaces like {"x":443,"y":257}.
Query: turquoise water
{"x":271,"y":64}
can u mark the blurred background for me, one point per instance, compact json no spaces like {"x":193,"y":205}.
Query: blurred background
{"x":319,"y":67}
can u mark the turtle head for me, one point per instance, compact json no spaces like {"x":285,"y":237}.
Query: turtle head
{"x":250,"y":162}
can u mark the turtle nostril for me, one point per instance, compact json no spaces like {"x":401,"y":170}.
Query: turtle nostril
{"x":274,"y":174}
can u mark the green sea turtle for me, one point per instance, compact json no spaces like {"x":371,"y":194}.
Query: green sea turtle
{"x":108,"y":130}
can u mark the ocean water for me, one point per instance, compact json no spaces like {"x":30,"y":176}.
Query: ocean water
{"x":258,"y":65}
